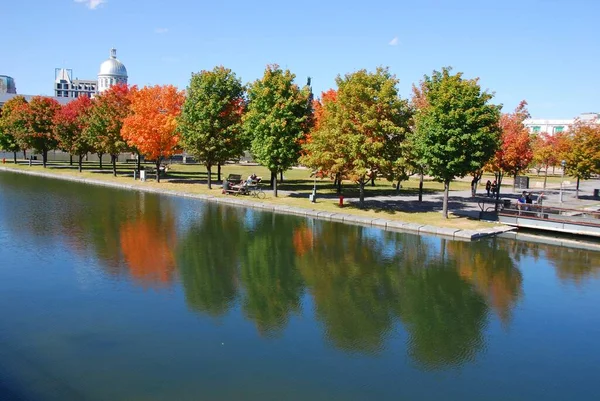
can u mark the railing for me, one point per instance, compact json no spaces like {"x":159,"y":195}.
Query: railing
{"x":551,"y":214}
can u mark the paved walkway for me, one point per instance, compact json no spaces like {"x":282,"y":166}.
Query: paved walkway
{"x":462,"y":203}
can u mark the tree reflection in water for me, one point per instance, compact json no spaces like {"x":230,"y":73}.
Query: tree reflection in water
{"x":208,"y":257}
{"x":147,"y":241}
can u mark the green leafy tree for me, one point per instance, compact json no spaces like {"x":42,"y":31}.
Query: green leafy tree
{"x":456,"y":126}
{"x":39,"y":120}
{"x":105,"y":120}
{"x":277,"y":120}
{"x":12,"y":125}
{"x":211,"y":120}
{"x":362,"y":130}
{"x":583,"y":157}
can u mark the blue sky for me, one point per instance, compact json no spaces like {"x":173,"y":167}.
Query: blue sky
{"x":543,"y":51}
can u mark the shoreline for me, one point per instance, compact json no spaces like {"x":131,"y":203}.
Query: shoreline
{"x":385,"y":224}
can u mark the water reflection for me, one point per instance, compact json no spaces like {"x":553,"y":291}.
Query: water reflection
{"x":365,"y":287}
{"x":208,"y":257}
{"x":268,"y":273}
{"x":147,"y":240}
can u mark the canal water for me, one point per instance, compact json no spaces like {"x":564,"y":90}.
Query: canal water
{"x":110,"y":294}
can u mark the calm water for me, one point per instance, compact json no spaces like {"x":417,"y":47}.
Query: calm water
{"x":117,"y":295}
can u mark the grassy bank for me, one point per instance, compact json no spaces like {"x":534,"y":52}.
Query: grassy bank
{"x":295,"y":189}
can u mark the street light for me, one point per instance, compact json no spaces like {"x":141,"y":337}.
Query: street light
{"x":563,"y":164}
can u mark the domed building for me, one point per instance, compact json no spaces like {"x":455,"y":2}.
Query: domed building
{"x":112,"y":72}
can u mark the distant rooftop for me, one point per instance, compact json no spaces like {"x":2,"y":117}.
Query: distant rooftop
{"x":5,"y":97}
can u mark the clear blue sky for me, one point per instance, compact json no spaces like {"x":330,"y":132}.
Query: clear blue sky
{"x":543,"y":51}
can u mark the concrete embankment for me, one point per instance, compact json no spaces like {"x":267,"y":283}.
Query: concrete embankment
{"x":386,"y":224}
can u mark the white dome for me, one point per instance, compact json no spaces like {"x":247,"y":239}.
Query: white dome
{"x":113,"y":67}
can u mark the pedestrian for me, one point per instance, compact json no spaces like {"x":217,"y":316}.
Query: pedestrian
{"x":473,"y":186}
{"x":488,"y":187}
{"x":528,"y":198}
{"x":494,"y":188}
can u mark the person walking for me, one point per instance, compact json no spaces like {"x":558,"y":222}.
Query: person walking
{"x":488,"y":187}
{"x":494,"y":188}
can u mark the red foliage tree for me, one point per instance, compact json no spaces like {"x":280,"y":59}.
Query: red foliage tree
{"x":69,"y":125}
{"x":152,"y":125}
{"x":515,"y":153}
{"x":39,"y":121}
{"x":105,"y":120}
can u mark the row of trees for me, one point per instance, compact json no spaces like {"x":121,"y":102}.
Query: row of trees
{"x":360,"y":130}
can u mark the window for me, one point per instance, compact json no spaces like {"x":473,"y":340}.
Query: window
{"x":536,"y":129}
{"x":558,"y":129}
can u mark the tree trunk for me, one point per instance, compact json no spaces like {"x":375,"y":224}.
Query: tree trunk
{"x":281,"y":176}
{"x":80,"y":162}
{"x":158,"y":169}
{"x":113,"y":160}
{"x":577,"y":189}
{"x":15,"y":157}
{"x":274,"y":177}
{"x":100,"y":158}
{"x":70,"y":160}
{"x":445,"y":204}
{"x":373,"y":179}
{"x":44,"y":157}
{"x":25,"y":154}
{"x":218,"y":172}
{"x":361,"y":184}
{"x":338,"y":177}
{"x":515,"y":180}
{"x":421,"y":187}
{"x":209,"y":170}
{"x":546,"y":177}
{"x":139,"y":161}
{"x":398,"y":186}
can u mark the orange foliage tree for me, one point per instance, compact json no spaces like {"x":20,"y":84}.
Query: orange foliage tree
{"x":152,"y":126}
{"x":515,"y":153}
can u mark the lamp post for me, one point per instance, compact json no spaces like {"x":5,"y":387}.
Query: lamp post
{"x":563,"y":164}
{"x":313,"y":197}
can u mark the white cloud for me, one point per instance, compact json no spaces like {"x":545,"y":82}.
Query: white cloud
{"x":161,"y":30}
{"x":91,"y":4}
{"x":394,"y":42}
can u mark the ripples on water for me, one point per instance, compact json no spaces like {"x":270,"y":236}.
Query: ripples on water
{"x":327,"y":310}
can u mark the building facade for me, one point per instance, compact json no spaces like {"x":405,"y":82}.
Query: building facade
{"x":536,"y":125}
{"x":112,"y":72}
{"x":66,"y":86}
{"x":7,"y":84}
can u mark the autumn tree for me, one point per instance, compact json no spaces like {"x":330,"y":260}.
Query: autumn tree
{"x":515,"y":152}
{"x":321,"y":149}
{"x":12,"y":125}
{"x":69,"y":125}
{"x":456,"y":127}
{"x":151,"y":127}
{"x":277,"y":119}
{"x":583,"y":157}
{"x":105,"y":120}
{"x":39,"y":125}
{"x":211,"y":119}
{"x":545,"y":154}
